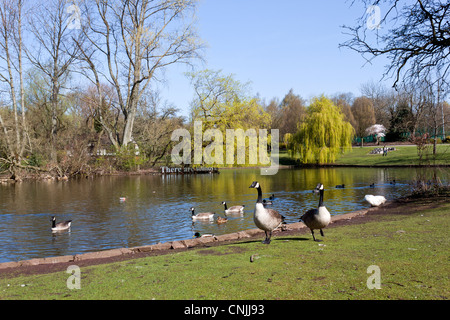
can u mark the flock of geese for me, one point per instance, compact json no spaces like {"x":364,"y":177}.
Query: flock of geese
{"x":269,"y":219}
{"x":264,"y":218}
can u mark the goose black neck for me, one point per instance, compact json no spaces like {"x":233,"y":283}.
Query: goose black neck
{"x":226,"y":207}
{"x":53,"y":223}
{"x":259,"y":195}
{"x":321,"y":198}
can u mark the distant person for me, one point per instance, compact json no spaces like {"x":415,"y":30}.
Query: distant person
{"x":384,"y":151}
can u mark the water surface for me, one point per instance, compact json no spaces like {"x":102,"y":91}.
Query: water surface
{"x":157,"y":207}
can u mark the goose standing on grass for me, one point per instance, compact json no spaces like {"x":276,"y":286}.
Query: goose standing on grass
{"x":265,"y":219}
{"x":317,"y":218}
{"x":233,"y":209}
{"x":202,"y":215}
{"x":375,"y":201}
{"x":60,"y":226}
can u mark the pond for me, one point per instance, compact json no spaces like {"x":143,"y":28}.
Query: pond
{"x":157,"y":208}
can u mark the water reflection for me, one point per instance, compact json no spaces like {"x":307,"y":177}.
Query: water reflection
{"x":157,"y":207}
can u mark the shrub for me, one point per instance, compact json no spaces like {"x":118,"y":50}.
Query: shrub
{"x":430,"y":188}
{"x":126,"y":159}
{"x":438,"y":141}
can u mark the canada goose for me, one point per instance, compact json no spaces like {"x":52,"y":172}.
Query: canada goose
{"x":340,"y":186}
{"x":202,"y":215}
{"x":393,"y":182}
{"x":267,"y":202}
{"x":221,"y":220}
{"x":317,"y":218}
{"x":265,"y":219}
{"x":375,"y":201}
{"x":60,"y":226}
{"x":272,"y":197}
{"x":372,"y":185}
{"x":233,"y":209}
{"x":206,"y":235}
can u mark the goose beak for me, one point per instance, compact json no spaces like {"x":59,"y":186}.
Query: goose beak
{"x":254,"y":184}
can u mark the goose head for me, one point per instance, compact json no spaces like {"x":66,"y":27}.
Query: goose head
{"x":255,"y":185}
{"x":318,"y":188}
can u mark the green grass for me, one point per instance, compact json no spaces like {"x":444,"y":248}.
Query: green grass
{"x":403,"y":155}
{"x":410,"y":250}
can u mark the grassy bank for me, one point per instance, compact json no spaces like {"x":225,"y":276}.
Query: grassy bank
{"x":403,"y":155}
{"x":411,"y":250}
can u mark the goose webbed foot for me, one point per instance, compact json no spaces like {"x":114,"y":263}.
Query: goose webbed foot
{"x":267,"y":239}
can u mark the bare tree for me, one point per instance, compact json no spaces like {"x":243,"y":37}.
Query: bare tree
{"x":362,"y":110}
{"x":53,"y":54}
{"x":416,"y":40}
{"x":154,"y":126}
{"x":435,"y":99}
{"x":293,"y":112}
{"x":128,"y":41}
{"x":384,"y":101}
{"x":344,"y":102}
{"x":11,"y":67}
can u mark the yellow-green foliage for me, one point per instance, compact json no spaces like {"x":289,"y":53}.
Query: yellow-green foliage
{"x":221,"y":104}
{"x":323,"y":135}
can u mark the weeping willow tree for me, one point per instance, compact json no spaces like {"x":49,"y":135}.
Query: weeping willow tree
{"x":323,"y":135}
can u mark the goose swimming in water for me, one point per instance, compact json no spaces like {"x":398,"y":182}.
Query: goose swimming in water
{"x":233,"y":209}
{"x":265,"y":219}
{"x":60,"y":226}
{"x":202,"y":215}
{"x":317,"y":218}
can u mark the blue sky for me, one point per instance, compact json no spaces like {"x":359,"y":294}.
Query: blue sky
{"x":278,"y":45}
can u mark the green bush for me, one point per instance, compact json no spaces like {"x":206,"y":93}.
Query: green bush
{"x":438,"y":141}
{"x":126,"y":159}
{"x":34,"y":160}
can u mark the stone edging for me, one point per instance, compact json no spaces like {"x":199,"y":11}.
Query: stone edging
{"x":178,"y":244}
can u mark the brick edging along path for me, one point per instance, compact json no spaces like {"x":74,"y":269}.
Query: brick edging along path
{"x":174,"y":245}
